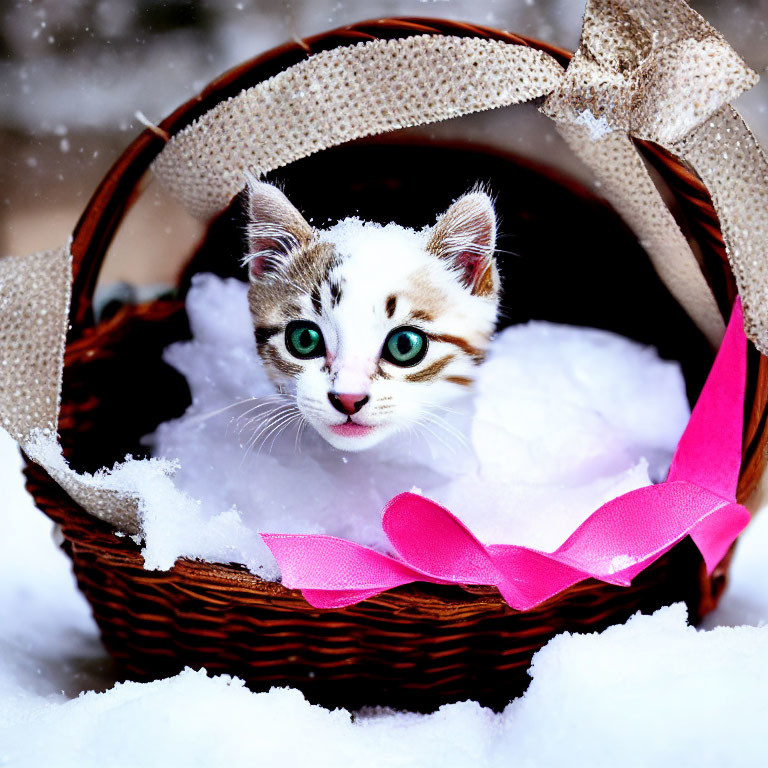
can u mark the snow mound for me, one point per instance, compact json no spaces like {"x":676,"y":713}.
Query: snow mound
{"x":652,"y":692}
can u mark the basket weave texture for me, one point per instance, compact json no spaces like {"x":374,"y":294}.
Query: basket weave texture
{"x":419,"y":646}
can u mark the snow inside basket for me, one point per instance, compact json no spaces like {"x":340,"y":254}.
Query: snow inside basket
{"x":416,"y":646}
{"x":563,"y":420}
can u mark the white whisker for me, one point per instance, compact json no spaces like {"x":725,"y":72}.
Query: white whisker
{"x":276,"y":430}
{"x":211,"y":414}
{"x":420,"y":433}
{"x":425,"y":424}
{"x":450,"y":430}
{"x":299,"y":432}
{"x":271,"y":421}
{"x":260,"y":416}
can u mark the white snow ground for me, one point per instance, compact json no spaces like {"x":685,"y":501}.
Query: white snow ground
{"x":651,"y":692}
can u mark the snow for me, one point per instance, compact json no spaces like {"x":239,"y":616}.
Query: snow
{"x":747,"y":601}
{"x":651,"y":692}
{"x":49,"y":648}
{"x":565,"y":419}
{"x":597,"y":126}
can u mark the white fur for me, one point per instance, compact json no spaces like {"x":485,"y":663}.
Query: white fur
{"x":432,"y":272}
{"x":381,"y":261}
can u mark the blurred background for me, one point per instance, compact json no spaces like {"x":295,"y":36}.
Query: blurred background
{"x":74,"y":75}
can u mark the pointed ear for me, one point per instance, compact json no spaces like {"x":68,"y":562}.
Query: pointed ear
{"x":276,"y":229}
{"x":465,"y":235}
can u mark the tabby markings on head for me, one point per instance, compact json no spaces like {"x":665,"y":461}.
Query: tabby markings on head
{"x":370,"y":326}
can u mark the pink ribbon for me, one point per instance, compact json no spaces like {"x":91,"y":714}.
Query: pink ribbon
{"x":613,"y":545}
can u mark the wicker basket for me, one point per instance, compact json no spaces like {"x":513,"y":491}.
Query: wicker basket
{"x":417,"y":646}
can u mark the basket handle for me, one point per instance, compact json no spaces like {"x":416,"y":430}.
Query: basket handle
{"x":121,"y":186}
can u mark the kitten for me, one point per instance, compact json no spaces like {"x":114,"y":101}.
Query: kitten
{"x":370,"y":326}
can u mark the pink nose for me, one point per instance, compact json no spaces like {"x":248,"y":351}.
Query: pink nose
{"x":346,"y":403}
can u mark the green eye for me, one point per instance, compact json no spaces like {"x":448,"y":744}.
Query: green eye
{"x":405,"y":346}
{"x":304,"y":339}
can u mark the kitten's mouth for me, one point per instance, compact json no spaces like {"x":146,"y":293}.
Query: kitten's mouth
{"x":351,"y":429}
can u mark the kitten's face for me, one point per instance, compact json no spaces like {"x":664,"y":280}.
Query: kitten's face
{"x":374,"y":328}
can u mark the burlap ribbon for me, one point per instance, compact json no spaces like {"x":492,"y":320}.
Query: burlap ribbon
{"x":651,"y":69}
{"x":657,"y":70}
{"x":34,"y":309}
